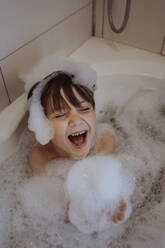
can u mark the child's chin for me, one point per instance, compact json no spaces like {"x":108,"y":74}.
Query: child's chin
{"x":80,"y":155}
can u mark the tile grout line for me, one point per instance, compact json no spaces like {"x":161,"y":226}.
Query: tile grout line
{"x":162,"y":46}
{"x":52,"y":27}
{"x":103,"y":17}
{"x":93,"y":17}
{"x":3,"y":78}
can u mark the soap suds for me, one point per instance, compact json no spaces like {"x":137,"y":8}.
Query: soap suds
{"x":137,"y":115}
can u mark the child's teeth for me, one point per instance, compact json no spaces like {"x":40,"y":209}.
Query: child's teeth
{"x":76,"y":134}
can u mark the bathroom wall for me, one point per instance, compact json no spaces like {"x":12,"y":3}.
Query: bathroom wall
{"x":145,"y":28}
{"x":33,"y":29}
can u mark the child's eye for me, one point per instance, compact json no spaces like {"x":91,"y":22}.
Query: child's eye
{"x":85,"y":109}
{"x":60,"y":116}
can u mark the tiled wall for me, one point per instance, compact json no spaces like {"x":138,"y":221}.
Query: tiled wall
{"x":145,"y":28}
{"x":33,"y":29}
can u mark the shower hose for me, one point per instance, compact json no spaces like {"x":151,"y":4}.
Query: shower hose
{"x":126,"y":16}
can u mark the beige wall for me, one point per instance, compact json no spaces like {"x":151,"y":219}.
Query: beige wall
{"x":33,"y":29}
{"x":146,"y":25}
{"x":25,"y":20}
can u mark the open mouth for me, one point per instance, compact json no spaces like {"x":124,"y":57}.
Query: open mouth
{"x":78,"y":139}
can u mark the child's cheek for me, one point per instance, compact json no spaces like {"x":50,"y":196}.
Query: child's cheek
{"x":60,"y":127}
{"x":91,"y":118}
{"x":91,"y":115}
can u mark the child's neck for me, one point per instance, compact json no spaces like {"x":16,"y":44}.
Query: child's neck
{"x":59,"y":153}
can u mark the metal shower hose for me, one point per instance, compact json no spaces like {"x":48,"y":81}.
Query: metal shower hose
{"x":126,"y":16}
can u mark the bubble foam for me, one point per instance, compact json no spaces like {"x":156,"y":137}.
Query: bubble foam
{"x":137,"y":116}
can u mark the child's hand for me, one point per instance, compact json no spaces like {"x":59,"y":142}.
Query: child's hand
{"x":119,"y":215}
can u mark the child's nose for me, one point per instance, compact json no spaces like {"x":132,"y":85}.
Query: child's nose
{"x":75,"y":119}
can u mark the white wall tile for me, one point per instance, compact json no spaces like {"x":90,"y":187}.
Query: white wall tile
{"x":22,"y":20}
{"x":4,"y":101}
{"x":146,"y":25}
{"x":68,"y":36}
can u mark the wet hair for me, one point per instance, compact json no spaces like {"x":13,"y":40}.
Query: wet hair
{"x":51,"y":98}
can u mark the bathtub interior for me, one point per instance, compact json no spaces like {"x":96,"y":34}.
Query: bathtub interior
{"x":134,"y":106}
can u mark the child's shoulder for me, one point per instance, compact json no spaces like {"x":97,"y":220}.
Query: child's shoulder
{"x":39,"y":157}
{"x":105,"y":139}
{"x":103,"y":129}
{"x":37,"y":151}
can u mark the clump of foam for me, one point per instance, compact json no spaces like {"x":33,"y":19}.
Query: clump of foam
{"x":109,"y":95}
{"x":82,"y":72}
{"x":96,"y":186}
{"x":44,"y":197}
{"x":140,"y":148}
{"x":37,"y":121}
{"x":5,"y":205}
{"x":145,"y":106}
{"x":150,"y":233}
{"x":44,"y":205}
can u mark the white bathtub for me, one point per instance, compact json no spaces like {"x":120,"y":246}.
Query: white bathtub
{"x":109,"y":59}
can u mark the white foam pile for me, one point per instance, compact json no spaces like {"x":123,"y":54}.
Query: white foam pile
{"x":33,"y":209}
{"x":96,"y":186}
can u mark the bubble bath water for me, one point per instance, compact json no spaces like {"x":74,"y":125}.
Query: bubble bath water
{"x":135,"y":108}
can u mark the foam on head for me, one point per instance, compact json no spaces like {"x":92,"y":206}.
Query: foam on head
{"x":38,"y":122}
{"x":82,"y":73}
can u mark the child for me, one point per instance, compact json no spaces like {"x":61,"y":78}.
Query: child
{"x":68,"y":110}
{"x":71,"y":110}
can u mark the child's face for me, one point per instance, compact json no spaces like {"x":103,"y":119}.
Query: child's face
{"x":74,"y":128}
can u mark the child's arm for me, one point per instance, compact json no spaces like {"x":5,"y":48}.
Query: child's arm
{"x":105,"y":142}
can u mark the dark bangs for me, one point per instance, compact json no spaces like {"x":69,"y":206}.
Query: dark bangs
{"x":51,"y":98}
